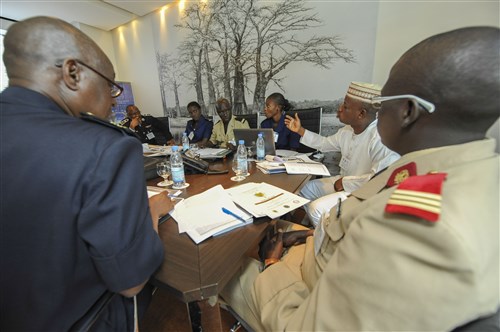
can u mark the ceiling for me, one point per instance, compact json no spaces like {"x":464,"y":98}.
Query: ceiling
{"x":102,"y":14}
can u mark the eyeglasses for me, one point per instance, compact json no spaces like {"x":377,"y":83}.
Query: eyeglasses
{"x":429,"y":107}
{"x":115,"y":89}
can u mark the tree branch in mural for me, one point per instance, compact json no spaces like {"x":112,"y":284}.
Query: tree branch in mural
{"x":232,"y":43}
{"x":169,"y":72}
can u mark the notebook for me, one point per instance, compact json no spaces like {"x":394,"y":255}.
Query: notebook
{"x":250,"y":137}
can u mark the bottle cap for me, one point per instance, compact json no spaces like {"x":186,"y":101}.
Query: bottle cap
{"x":260,"y":135}
{"x":241,"y":141}
{"x":175,"y":148}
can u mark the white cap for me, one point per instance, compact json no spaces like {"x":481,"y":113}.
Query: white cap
{"x":363,"y":91}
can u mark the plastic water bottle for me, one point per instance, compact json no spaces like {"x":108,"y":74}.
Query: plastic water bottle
{"x":261,"y":152}
{"x":185,"y":142}
{"x":177,"y":168}
{"x":242,"y":156}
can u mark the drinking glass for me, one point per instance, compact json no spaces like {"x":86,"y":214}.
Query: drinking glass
{"x":163,"y":170}
{"x":237,"y":171}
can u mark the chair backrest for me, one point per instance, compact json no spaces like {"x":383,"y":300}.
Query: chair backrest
{"x":310,"y":118}
{"x":252,"y":119}
{"x":160,"y":137}
{"x":484,"y":324}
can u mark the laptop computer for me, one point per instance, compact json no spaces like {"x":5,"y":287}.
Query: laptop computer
{"x":250,"y":137}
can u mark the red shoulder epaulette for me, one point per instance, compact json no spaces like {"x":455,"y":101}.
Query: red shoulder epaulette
{"x":418,"y":196}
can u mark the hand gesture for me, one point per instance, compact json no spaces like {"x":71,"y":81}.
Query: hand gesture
{"x":135,"y":122}
{"x":293,"y":123}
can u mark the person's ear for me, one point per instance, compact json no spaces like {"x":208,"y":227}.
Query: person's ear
{"x":362,"y":113}
{"x":411,"y":114}
{"x":71,"y":74}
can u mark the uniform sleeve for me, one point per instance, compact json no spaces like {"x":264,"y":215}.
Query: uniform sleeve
{"x":387,"y":274}
{"x":115,"y":221}
{"x":215,"y":129}
{"x":321,"y":143}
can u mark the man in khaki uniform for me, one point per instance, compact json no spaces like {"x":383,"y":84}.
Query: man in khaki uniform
{"x":417,"y":247}
{"x":222,"y":134}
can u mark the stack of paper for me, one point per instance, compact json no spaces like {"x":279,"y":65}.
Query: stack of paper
{"x":269,"y":167}
{"x":202,"y":216}
{"x":298,"y":164}
{"x":263,"y":199}
{"x":150,"y":150}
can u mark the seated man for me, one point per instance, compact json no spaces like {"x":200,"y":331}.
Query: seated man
{"x":363,"y":154}
{"x":146,"y":127}
{"x":198,"y":129}
{"x":417,"y":247}
{"x":222,"y":134}
{"x":84,"y":227}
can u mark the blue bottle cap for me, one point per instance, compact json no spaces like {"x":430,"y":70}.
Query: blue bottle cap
{"x":241,"y":141}
{"x":260,"y":135}
{"x":175,"y":148}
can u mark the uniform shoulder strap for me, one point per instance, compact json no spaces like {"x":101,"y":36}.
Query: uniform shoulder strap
{"x":89,"y":117}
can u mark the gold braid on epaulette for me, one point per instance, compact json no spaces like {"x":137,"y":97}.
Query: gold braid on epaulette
{"x":87,"y":116}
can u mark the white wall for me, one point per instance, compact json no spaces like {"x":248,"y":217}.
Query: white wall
{"x":136,"y":63}
{"x":103,"y":38}
{"x":378,"y":32}
{"x":403,"y":24}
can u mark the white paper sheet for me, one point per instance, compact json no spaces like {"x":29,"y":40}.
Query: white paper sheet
{"x":263,"y":199}
{"x":201,"y":216}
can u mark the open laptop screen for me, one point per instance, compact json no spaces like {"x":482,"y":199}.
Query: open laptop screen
{"x":250,"y":137}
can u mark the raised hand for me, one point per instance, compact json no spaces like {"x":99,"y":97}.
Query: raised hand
{"x":294,"y":124}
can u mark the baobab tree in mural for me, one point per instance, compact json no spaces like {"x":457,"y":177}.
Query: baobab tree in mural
{"x":169,"y":76}
{"x":242,"y":41}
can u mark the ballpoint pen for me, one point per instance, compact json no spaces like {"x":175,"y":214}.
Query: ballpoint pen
{"x":226,"y":211}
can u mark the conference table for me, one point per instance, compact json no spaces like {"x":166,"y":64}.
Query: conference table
{"x":196,"y":272}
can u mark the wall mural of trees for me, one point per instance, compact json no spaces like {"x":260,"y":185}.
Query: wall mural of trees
{"x":236,"y":48}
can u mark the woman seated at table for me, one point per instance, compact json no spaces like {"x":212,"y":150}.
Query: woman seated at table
{"x":276,"y":107}
{"x":198,"y":129}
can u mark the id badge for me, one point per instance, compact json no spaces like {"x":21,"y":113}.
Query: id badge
{"x":344,"y":163}
{"x":150,"y":135}
{"x":276,"y":135}
{"x":191,"y":135}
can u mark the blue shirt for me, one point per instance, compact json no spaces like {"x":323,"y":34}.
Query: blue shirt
{"x":202,"y":130}
{"x":287,"y":139}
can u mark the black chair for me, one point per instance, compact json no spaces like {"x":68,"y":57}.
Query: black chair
{"x":252,"y":119}
{"x":482,"y":324}
{"x":310,"y":119}
{"x":160,"y":137}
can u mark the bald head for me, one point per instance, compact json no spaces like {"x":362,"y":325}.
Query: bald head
{"x":37,"y":43}
{"x":52,"y":57}
{"x":457,"y":71}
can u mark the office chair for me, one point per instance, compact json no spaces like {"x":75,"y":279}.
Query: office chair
{"x":310,"y":119}
{"x":252,"y":119}
{"x":160,"y":137}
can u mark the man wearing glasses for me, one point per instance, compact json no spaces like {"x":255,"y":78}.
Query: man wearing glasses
{"x":69,"y":233}
{"x":148,"y":128}
{"x":417,"y":247}
{"x":222,"y":134}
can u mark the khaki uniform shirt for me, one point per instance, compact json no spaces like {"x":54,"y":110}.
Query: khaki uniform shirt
{"x":383,"y":271}
{"x":221,"y":137}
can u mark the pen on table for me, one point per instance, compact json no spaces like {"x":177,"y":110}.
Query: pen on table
{"x":270,"y":198}
{"x":226,"y":211}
